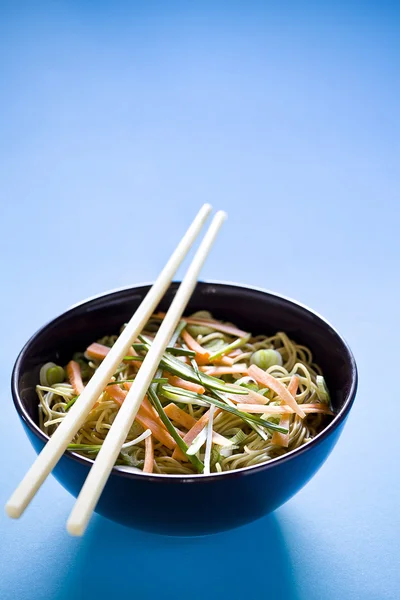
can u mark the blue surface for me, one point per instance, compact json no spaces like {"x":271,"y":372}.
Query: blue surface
{"x":118,"y":120}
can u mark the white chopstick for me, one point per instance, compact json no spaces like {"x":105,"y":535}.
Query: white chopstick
{"x":105,"y":460}
{"x":69,"y":426}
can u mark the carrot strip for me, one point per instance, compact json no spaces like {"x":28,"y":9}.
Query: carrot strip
{"x":159,"y":434}
{"x":145,"y":402}
{"x":97,"y":351}
{"x":235,"y":353}
{"x":186,"y":385}
{"x":217,"y":325}
{"x":135,"y":363}
{"x":274,"y":384}
{"x":223,"y":360}
{"x":149,"y":455}
{"x":282,"y":439}
{"x":145,"y":417}
{"x":202,"y":355}
{"x":284,"y":409}
{"x":75,"y":376}
{"x":234,"y":369}
{"x":180,"y":416}
{"x":183,"y":418}
{"x":193,"y":432}
{"x":147,"y":407}
{"x":251,"y":398}
{"x":116,"y":393}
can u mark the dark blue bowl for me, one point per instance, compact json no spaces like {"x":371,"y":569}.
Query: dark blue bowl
{"x":192,"y":505}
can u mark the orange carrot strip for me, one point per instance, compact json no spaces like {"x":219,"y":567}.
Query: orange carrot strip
{"x":147,"y":407}
{"x":97,"y":351}
{"x":135,"y":363}
{"x":234,"y":369}
{"x":251,"y":398}
{"x":75,"y":376}
{"x":193,"y":432}
{"x":186,"y":385}
{"x":274,"y":384}
{"x":116,"y":393}
{"x":217,"y":325}
{"x":183,"y":418}
{"x":235,"y":353}
{"x":159,"y":434}
{"x":149,"y":455}
{"x":202,"y":355}
{"x":284,"y":409}
{"x":180,"y":416}
{"x":282,"y":439}
{"x":145,"y":417}
{"x":223,"y":360}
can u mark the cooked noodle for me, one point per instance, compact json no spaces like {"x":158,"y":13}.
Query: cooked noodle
{"x":252,"y":444}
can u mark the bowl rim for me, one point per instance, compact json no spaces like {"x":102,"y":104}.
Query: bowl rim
{"x":192,"y":478}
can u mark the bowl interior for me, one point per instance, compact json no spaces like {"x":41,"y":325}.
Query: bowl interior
{"x":251,"y":309}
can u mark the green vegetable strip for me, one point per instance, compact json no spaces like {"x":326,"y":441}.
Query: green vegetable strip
{"x":227,"y":407}
{"x":171,"y":429}
{"x":181,"y":352}
{"x":244,"y":415}
{"x":170,"y":349}
{"x":71,"y":402}
{"x":196,"y":370}
{"x":177,"y":367}
{"x":152,"y":393}
{"x":175,"y":337}
{"x":155,"y":380}
{"x":259,"y":430}
{"x":226,"y":349}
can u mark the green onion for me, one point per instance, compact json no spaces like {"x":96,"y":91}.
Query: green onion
{"x":181,"y":326}
{"x":239,"y":438}
{"x":198,"y":441}
{"x":171,"y":429}
{"x":215,"y":456}
{"x":170,"y":349}
{"x":226,"y":349}
{"x":177,"y":367}
{"x":259,"y":430}
{"x":180,"y":351}
{"x":155,"y":380}
{"x":222,"y":403}
{"x":323,"y":390}
{"x":196,"y":330}
{"x":181,"y":398}
{"x":196,"y":370}
{"x":266,"y":358}
{"x":245,"y":416}
{"x":55,"y":374}
{"x":71,"y":402}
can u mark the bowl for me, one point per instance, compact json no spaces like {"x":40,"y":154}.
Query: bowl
{"x":192,"y":505}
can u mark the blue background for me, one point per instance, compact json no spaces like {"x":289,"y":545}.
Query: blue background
{"x":117,"y":121}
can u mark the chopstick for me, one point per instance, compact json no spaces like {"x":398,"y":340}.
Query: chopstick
{"x":110,"y":449}
{"x":72,"y":422}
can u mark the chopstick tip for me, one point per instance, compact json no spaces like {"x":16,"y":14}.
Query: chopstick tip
{"x":222,"y":215}
{"x":75,"y":529}
{"x":12,"y":511}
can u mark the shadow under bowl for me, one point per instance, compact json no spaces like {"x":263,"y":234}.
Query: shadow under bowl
{"x":192,"y":505}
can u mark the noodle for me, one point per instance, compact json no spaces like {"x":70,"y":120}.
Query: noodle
{"x":248,"y":443}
